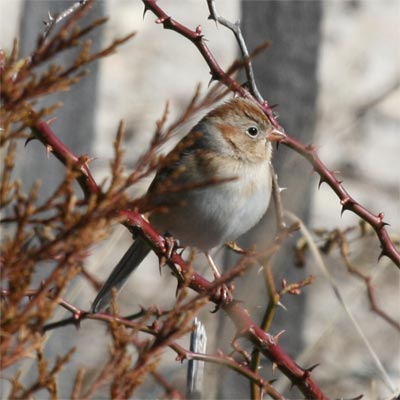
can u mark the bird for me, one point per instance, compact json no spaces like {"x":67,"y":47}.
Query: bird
{"x":213,"y":187}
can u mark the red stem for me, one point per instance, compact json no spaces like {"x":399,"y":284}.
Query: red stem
{"x":45,"y":134}
{"x":346,"y":200}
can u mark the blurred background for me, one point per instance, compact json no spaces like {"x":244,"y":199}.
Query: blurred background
{"x":334,"y":70}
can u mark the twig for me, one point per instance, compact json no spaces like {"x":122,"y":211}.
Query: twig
{"x":53,"y":20}
{"x":367,"y":280}
{"x":170,"y":391}
{"x":235,"y":28}
{"x":235,"y":366}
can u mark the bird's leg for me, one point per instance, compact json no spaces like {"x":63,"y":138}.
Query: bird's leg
{"x":213,"y":266}
{"x":224,"y":291}
{"x":171,"y":245}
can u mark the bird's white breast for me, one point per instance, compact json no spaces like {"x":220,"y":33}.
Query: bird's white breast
{"x":219,"y":213}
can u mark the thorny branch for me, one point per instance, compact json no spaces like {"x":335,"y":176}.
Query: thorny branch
{"x":153,"y":329}
{"x":307,"y":151}
{"x":246,"y":327}
{"x":275,"y":297}
{"x":340,"y":237}
{"x":43,"y":132}
{"x":55,"y":19}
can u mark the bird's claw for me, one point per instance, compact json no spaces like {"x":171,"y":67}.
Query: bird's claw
{"x":225,"y":296}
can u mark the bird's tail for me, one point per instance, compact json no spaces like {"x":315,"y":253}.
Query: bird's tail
{"x":128,"y":263}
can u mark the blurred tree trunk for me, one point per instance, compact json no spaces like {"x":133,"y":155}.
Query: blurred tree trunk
{"x":75,"y":126}
{"x":286,"y":74}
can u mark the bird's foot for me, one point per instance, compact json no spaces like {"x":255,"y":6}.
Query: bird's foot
{"x":224,"y":295}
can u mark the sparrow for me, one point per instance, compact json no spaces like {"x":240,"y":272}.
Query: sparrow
{"x":213,"y":187}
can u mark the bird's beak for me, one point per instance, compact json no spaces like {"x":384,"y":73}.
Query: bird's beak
{"x":276,"y":135}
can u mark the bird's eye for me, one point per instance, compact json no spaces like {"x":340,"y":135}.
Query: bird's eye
{"x":252,"y":131}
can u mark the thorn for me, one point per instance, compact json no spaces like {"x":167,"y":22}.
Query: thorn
{"x":77,"y":323}
{"x":162,"y":260}
{"x":199,"y":30}
{"x":321,"y":181}
{"x":383,"y":253}
{"x":212,"y":79}
{"x":51,"y":120}
{"x":281,"y":305}
{"x":50,"y":16}
{"x":345,"y":204}
{"x":306,"y":374}
{"x":311,"y":148}
{"x":30,"y":138}
{"x":178,"y":287}
{"x":282,"y":189}
{"x":310,"y":369}
{"x":381,"y":222}
{"x":146,"y":8}
{"x":49,"y":150}
{"x":278,"y":335}
{"x":274,"y":367}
